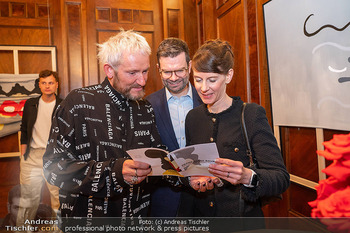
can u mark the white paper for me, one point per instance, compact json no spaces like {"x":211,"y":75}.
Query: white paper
{"x":188,"y":161}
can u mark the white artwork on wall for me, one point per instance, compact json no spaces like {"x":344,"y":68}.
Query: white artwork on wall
{"x":308,"y":47}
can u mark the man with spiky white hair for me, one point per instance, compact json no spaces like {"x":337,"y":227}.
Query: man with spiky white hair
{"x":92,"y":130}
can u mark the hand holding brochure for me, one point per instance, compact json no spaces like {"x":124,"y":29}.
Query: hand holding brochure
{"x":189,"y":161}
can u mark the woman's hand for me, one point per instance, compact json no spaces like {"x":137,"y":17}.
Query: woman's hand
{"x":231,"y":171}
{"x":202,"y":183}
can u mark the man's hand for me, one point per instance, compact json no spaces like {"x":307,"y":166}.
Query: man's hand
{"x":23,"y":149}
{"x":134,"y":172}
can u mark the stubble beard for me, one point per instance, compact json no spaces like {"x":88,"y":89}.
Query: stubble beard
{"x":126,"y":92}
{"x":179,"y":90}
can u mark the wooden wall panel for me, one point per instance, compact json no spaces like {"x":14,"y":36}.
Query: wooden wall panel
{"x":231,"y":27}
{"x":9,"y":176}
{"x":173,"y":19}
{"x":191,"y":26}
{"x":208,"y":17}
{"x":253,"y":82}
{"x":28,"y":61}
{"x":146,"y":17}
{"x":6,"y":67}
{"x":299,"y":198}
{"x":265,"y":99}
{"x":91,"y":40}
{"x":299,"y":146}
{"x":30,"y":21}
{"x":24,"y":36}
{"x":9,"y":144}
{"x":201,"y":37}
{"x":74,"y":45}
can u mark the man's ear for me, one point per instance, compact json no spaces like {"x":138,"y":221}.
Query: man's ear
{"x":109,"y":71}
{"x":189,"y":66}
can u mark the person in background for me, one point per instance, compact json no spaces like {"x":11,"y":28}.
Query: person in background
{"x":35,"y":129}
{"x":15,"y":206}
{"x":218,"y":120}
{"x":171,"y":105}
{"x":92,"y":130}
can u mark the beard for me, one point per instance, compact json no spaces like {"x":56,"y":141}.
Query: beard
{"x":182,"y":84}
{"x":126,"y":91}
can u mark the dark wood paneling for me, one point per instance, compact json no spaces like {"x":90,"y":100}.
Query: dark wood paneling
{"x":191,"y":26}
{"x":210,"y":30}
{"x":6,"y":67}
{"x":299,"y":147}
{"x":173,"y":22}
{"x":103,"y":14}
{"x":9,"y":176}
{"x":329,"y":134}
{"x":28,"y":61}
{"x":74,"y":41}
{"x":153,"y":80}
{"x":24,"y":36}
{"x":125,"y":16}
{"x":18,"y":9}
{"x":145,"y":17}
{"x":4,"y":9}
{"x":9,"y":144}
{"x":265,"y":99}
{"x":236,"y":36}
{"x":91,"y":40}
{"x":299,"y":198}
{"x":200,"y":23}
{"x":42,"y":11}
{"x":253,"y":86}
{"x":59,"y":34}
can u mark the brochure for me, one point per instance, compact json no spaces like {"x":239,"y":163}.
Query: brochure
{"x":188,"y":161}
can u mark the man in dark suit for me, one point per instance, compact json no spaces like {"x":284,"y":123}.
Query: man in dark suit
{"x":171,"y":105}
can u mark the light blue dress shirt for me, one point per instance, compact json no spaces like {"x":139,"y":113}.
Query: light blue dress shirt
{"x":178,"y":108}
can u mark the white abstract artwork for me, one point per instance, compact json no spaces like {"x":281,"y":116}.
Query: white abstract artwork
{"x":308,"y":47}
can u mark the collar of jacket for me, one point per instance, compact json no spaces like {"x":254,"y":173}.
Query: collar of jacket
{"x":117,"y":98}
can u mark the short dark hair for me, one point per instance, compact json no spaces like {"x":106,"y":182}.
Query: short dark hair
{"x":172,"y":47}
{"x":47,"y":73}
{"x":214,"y":56}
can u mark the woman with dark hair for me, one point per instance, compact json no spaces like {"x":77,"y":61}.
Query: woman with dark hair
{"x":219,"y":120}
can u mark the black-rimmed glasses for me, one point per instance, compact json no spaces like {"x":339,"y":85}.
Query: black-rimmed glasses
{"x":179,"y":73}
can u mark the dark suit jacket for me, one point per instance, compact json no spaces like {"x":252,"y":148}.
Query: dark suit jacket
{"x":163,"y":120}
{"x":164,"y":199}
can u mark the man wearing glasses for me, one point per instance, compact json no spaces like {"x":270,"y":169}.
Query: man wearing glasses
{"x":171,"y":105}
